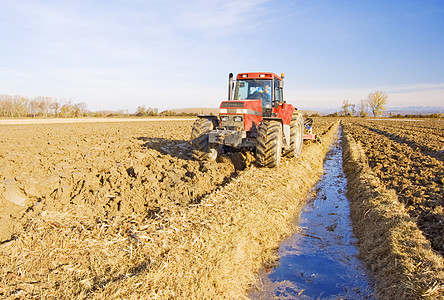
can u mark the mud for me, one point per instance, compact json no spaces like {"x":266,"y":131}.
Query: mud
{"x":408,"y":158}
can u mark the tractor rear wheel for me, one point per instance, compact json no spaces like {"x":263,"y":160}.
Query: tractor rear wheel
{"x":296,"y":136}
{"x":269,"y":143}
{"x":199,"y":140}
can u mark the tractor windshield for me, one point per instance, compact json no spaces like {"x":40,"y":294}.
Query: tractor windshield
{"x":255,"y":89}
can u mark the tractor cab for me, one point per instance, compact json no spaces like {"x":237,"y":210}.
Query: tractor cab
{"x":266,"y":87}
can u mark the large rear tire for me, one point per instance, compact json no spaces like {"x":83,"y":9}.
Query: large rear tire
{"x":201,"y":149}
{"x":296,"y":136}
{"x":269,"y":144}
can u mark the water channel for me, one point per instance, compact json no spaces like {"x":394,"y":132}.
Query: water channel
{"x":320,"y":260}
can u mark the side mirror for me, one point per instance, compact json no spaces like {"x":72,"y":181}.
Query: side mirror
{"x":281,"y":84}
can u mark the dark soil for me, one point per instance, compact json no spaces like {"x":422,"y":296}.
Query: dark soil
{"x":408,"y":158}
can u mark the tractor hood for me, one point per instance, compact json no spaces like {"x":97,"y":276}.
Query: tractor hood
{"x":241,"y":114}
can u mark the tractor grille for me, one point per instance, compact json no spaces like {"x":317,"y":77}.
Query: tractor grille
{"x":232,"y":104}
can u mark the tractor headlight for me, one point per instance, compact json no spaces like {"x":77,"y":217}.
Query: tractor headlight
{"x":238,"y":119}
{"x":225,"y":118}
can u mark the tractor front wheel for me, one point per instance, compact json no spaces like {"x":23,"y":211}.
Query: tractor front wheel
{"x":269,"y":144}
{"x":199,"y":140}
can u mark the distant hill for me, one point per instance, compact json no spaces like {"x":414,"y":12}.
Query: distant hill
{"x":414,"y":110}
{"x":394,"y":110}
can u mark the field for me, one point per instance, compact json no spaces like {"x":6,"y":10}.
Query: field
{"x":408,"y":157}
{"x":395,"y":186}
{"x":85,"y":206}
{"x":93,"y":210}
{"x":117,"y":169}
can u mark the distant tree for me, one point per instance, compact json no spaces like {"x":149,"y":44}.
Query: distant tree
{"x":150,"y":111}
{"x":45,"y":105}
{"x":55,"y":106}
{"x":34,"y":107}
{"x":6,"y":106}
{"x":377,"y":102}
{"x":141,"y":111}
{"x":363,"y":108}
{"x":348,"y":109}
{"x":81,"y":109}
{"x":168,"y":113}
{"x":335,"y":114}
{"x":68,"y":110}
{"x":18,"y":106}
{"x":435,"y":116}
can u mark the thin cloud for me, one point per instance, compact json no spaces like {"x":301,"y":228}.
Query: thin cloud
{"x":212,"y":18}
{"x":416,"y":88}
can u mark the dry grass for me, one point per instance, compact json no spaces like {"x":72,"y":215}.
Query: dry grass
{"x":389,"y":240}
{"x":210,"y":250}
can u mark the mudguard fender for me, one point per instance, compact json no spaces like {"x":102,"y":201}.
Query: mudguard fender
{"x":286,"y":130}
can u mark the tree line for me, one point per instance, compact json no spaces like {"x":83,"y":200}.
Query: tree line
{"x":375,"y":103}
{"x":40,"y":106}
{"x":19,"y":107}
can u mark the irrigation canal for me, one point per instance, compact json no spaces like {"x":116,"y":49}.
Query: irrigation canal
{"x":320,"y":260}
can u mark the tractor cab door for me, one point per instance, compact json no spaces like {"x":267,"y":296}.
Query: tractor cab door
{"x":267,"y":98}
{"x":278,"y":96}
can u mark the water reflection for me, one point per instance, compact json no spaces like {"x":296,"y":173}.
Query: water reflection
{"x":320,"y":260}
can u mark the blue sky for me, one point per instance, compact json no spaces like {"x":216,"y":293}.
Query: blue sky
{"x":172,"y":54}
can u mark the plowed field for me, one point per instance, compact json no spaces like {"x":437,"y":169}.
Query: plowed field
{"x":105,"y":169}
{"x":109,"y":168}
{"x":87,"y":207}
{"x":408,"y":157}
{"x":112,"y":168}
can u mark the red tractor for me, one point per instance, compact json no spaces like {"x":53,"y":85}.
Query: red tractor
{"x":254,"y":117}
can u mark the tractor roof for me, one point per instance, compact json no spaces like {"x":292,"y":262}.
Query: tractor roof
{"x":259,"y":75}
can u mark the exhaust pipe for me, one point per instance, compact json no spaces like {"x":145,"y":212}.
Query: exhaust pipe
{"x":230,"y":86}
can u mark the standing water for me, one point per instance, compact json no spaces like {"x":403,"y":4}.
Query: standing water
{"x":320,"y":260}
